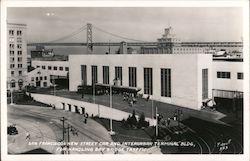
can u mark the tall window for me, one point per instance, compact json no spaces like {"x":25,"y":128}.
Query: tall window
{"x":148,"y":81}
{"x":19,"y":33}
{"x":225,"y":75}
{"x":11,"y":32}
{"x":239,"y":75}
{"x":204,"y":83}
{"x":19,"y":52}
{"x":84,"y":74}
{"x":118,"y":73}
{"x":105,"y":74}
{"x":20,"y":65}
{"x":166,"y":82}
{"x":94,"y":74}
{"x":12,"y":53}
{"x":132,"y":76}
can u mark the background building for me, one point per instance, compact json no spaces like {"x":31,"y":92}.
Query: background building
{"x":169,"y":44}
{"x":16,"y":56}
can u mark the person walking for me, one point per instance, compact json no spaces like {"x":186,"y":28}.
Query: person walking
{"x":168,"y":121}
{"x":27,"y":136}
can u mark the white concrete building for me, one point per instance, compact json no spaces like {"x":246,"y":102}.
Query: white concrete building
{"x":54,"y":68}
{"x":16,"y":56}
{"x":227,"y":77}
{"x":38,"y":78}
{"x":184,"y":80}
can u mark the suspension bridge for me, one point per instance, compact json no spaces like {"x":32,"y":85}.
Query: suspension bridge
{"x":88,"y":28}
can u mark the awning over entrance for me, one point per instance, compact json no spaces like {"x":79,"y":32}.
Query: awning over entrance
{"x":119,"y":88}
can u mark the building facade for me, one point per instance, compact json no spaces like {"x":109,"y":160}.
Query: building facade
{"x":16,"y":56}
{"x":38,"y":78}
{"x":228,"y":78}
{"x":54,"y":68}
{"x":184,"y":80}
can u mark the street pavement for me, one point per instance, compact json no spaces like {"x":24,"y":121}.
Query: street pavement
{"x":44,"y":125}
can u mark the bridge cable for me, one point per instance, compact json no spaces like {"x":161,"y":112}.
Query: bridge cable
{"x":115,"y":35}
{"x":69,"y":35}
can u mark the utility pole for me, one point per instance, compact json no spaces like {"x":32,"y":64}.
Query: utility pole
{"x":68,"y":139}
{"x":63,"y":119}
{"x":152,"y":108}
{"x":156,"y":127}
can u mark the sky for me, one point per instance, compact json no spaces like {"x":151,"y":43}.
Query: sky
{"x":45,"y":24}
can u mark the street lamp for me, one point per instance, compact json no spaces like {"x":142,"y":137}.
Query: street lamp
{"x":156,"y":127}
{"x":94,"y":92}
{"x":11,"y":97}
{"x":152,"y":107}
{"x":111,"y":126}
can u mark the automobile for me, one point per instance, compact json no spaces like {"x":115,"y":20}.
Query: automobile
{"x":12,"y":130}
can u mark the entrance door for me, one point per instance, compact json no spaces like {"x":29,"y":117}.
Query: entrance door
{"x":69,"y":107}
{"x":63,"y":106}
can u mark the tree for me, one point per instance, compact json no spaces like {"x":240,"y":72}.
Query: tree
{"x":133,"y":119}
{"x":142,"y":122}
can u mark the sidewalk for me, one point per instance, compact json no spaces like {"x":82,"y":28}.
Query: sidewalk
{"x":144,"y":106}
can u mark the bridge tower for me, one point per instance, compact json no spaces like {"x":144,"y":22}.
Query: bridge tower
{"x":89,"y":39}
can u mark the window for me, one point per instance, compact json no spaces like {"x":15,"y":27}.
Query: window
{"x":84,"y":74}
{"x":12,"y":65}
{"x":66,"y":68}
{"x":43,"y":67}
{"x":240,"y":76}
{"x":55,"y":68}
{"x":12,"y":73}
{"x":44,"y":84}
{"x":20,"y":65}
{"x":94,"y":74}
{"x":19,"y":40}
{"x":223,"y":75}
{"x":166,"y":82}
{"x":19,"y":52}
{"x":204,"y":83}
{"x":13,"y":84}
{"x":19,"y":46}
{"x":45,"y":77}
{"x":60,"y":68}
{"x":19,"y":33}
{"x":49,"y":67}
{"x":105,"y":74}
{"x":118,"y":73}
{"x":12,"y":59}
{"x":132,"y":76}
{"x":32,"y":78}
{"x":41,"y":78}
{"x":148,"y":81}
{"x":20,"y":73}
{"x":11,"y":46}
{"x":11,"y":32}
{"x":36,"y":78}
{"x":11,"y":39}
{"x":12,"y":53}
{"x":19,"y":59}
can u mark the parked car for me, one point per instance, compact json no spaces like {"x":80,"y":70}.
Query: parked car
{"x":12,"y":130}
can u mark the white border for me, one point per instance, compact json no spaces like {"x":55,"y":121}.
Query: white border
{"x":223,"y":3}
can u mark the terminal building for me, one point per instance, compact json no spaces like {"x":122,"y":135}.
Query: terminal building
{"x":184,"y":80}
{"x":16,"y":56}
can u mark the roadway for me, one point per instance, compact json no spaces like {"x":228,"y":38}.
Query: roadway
{"x":44,"y":125}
